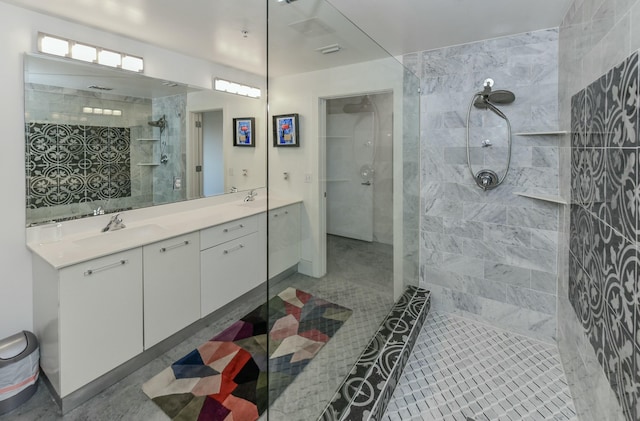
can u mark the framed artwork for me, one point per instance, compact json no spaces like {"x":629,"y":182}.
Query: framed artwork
{"x":285,"y":130}
{"x":243,"y":131}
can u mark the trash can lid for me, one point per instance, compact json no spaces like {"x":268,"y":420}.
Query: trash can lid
{"x":13,"y":345}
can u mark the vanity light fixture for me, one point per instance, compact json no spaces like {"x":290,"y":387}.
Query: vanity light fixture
{"x":84,"y":52}
{"x":101,"y":111}
{"x":236,"y":88}
{"x":68,"y":48}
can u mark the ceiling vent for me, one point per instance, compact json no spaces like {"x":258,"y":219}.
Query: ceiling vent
{"x":311,"y":28}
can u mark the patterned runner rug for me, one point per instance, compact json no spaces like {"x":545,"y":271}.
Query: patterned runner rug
{"x":230,"y":376}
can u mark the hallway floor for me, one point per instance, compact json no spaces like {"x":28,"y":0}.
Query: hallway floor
{"x":464,"y":370}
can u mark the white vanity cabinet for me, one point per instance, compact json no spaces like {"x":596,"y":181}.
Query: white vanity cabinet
{"x":171,"y":286}
{"x":88,"y":317}
{"x":284,"y":238}
{"x":232,"y":261}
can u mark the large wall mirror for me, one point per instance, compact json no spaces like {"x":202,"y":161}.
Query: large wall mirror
{"x":106,"y":140}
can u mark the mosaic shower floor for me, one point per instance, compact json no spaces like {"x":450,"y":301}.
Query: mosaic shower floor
{"x":462,"y":370}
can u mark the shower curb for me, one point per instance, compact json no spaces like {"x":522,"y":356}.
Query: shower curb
{"x":367,"y":389}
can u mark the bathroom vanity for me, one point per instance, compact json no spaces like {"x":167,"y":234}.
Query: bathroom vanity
{"x":101,"y":299}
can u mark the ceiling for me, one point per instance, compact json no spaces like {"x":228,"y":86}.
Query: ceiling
{"x":232,"y":32}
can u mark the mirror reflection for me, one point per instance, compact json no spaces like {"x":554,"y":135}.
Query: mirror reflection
{"x":102,"y":140}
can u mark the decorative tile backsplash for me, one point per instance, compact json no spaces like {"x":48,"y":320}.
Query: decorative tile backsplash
{"x":76,"y":163}
{"x":603,"y":232}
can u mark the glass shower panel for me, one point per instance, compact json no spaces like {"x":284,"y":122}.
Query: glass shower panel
{"x":343,"y":151}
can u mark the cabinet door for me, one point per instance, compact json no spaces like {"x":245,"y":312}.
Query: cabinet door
{"x":284,"y":238}
{"x":100,"y":317}
{"x":228,"y":271}
{"x":171,"y":286}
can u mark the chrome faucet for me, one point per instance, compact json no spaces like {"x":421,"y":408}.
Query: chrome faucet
{"x":250,"y":196}
{"x":234,"y":190}
{"x":114,"y":224}
{"x":98,"y":211}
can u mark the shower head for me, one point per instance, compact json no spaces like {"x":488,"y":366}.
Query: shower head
{"x":365,"y":106}
{"x":161,"y":123}
{"x":487,"y":98}
{"x":502,"y":96}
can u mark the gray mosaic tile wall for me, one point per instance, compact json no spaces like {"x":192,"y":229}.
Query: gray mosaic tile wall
{"x":597,"y":299}
{"x":490,"y":255}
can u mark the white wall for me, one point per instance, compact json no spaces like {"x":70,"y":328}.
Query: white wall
{"x":17,"y":36}
{"x":302,"y":94}
{"x":212,"y":153}
{"x":236,"y":158}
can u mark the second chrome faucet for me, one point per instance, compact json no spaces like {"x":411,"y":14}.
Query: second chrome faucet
{"x":114,"y":224}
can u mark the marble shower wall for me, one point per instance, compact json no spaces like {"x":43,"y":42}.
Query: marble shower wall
{"x":598,"y":304}
{"x":490,"y":255}
{"x":175,"y":138}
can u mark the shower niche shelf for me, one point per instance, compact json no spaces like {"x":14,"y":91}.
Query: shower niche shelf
{"x":147,"y":140}
{"x":544,"y":197}
{"x":547,"y":133}
{"x":148,"y":164}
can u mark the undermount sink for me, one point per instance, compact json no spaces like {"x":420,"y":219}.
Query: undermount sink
{"x":257,"y":204}
{"x":124,"y":234}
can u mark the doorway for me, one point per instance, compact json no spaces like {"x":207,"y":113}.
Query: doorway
{"x":208,"y":160}
{"x":359,"y":167}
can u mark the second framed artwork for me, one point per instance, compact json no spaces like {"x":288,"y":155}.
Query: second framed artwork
{"x":285,"y":130}
{"x":243,"y":131}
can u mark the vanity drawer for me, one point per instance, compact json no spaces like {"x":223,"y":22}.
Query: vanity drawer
{"x":228,"y":231}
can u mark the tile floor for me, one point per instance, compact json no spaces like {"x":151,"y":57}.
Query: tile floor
{"x":465,"y":370}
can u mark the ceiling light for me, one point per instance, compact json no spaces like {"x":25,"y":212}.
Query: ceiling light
{"x":87,"y":110}
{"x":235,"y":88}
{"x":97,"y":110}
{"x":117,"y":113}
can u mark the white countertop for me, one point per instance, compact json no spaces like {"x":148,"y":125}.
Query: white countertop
{"x":90,"y":244}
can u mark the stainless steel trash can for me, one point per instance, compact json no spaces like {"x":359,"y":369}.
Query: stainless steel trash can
{"x":19,"y":369}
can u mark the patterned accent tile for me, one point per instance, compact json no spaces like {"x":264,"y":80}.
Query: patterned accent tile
{"x":72,"y":164}
{"x":622,"y":190}
{"x":578,"y":131}
{"x":595,"y":113}
{"x":460,"y":370}
{"x":622,"y":104}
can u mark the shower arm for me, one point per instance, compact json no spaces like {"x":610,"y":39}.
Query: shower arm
{"x":500,"y":114}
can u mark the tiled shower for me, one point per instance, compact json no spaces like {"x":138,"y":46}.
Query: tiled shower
{"x":491,"y":255}
{"x":577,"y":282}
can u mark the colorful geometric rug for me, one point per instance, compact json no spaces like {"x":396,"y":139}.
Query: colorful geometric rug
{"x":230,"y":378}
